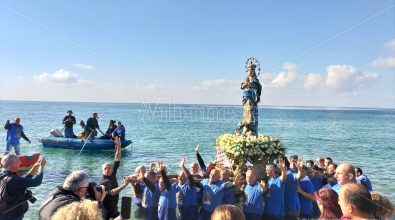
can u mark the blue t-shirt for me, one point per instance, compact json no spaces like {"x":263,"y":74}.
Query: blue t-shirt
{"x":274,"y":201}
{"x":317,"y":183}
{"x":120,"y":132}
{"x":336,"y":188}
{"x":212,"y":195}
{"x":167,"y":198}
{"x":150,"y":199}
{"x":186,"y":195}
{"x":365,"y":181}
{"x":306,"y":205}
{"x":254,"y":202}
{"x":229,"y":195}
{"x":291,"y":196}
{"x":14,"y":133}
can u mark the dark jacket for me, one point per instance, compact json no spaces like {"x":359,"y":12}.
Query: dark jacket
{"x":16,"y":189}
{"x":57,"y":199}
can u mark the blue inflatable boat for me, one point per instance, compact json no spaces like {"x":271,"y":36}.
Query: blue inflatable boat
{"x":77,"y":144}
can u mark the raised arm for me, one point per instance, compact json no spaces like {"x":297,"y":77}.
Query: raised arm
{"x":281,"y":165}
{"x":166,"y":180}
{"x":7,"y":125}
{"x":200,"y":159}
{"x":118,"y":148}
{"x":186,"y":172}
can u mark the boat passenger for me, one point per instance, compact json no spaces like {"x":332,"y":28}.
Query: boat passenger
{"x":111,"y":128}
{"x":68,"y":122}
{"x":91,"y":126}
{"x":119,"y":131}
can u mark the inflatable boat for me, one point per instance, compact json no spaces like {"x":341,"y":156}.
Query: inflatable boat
{"x":78,"y":144}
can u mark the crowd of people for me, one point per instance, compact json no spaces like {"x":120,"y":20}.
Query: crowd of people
{"x":292,"y":188}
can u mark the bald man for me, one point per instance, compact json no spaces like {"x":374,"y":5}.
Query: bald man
{"x":345,"y":173}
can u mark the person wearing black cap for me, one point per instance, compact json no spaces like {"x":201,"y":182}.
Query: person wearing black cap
{"x":111,"y":128}
{"x":68,"y":122}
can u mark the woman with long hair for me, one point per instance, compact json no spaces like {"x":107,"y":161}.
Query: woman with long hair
{"x":328,"y":202}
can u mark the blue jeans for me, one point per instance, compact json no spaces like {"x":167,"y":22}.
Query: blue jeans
{"x":16,"y":146}
{"x":68,"y":132}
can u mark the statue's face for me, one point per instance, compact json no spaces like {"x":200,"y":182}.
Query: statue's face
{"x":250,"y":71}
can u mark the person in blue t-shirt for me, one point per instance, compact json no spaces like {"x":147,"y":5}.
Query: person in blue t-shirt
{"x":186,"y":194}
{"x":213,"y":192}
{"x":274,"y":189}
{"x":14,"y":134}
{"x":254,"y":204}
{"x":150,"y":196}
{"x":362,"y":179}
{"x":206,"y":170}
{"x":229,"y":195}
{"x":306,"y":192}
{"x":119,"y":131}
{"x":291,"y":196}
{"x":138,"y":190}
{"x":167,"y":200}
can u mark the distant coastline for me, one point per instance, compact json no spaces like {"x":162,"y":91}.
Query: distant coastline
{"x":328,"y":108}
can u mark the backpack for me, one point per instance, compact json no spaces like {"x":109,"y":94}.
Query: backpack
{"x":10,"y":205}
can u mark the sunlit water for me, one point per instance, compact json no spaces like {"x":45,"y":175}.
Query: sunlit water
{"x":364,"y":137}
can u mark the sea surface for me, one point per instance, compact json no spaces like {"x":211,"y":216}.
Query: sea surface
{"x":161,"y":131}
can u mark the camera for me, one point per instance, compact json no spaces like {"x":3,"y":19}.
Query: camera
{"x":29,"y":196}
{"x":90,"y":194}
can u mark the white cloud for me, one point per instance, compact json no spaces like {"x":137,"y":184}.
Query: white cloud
{"x":390,"y":45}
{"x":84,"y":66}
{"x":384,"y":62}
{"x":215,"y":84}
{"x":346,"y":78}
{"x":285,"y":77}
{"x":60,"y":76}
{"x":313,"y":81}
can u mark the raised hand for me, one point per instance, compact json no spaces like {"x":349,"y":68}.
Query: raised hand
{"x":281,"y":163}
{"x":197,"y":148}
{"x":182,"y":162}
{"x":299,"y":164}
{"x":42,"y":162}
{"x":152,"y":167}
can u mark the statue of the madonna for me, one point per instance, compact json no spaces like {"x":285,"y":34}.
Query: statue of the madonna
{"x":251,"y":96}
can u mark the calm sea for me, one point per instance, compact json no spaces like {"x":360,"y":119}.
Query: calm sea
{"x":363,"y":137}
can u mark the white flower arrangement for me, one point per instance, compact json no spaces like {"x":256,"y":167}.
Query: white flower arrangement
{"x":240,"y":149}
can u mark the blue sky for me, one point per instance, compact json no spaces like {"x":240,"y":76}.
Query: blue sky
{"x":313,"y":53}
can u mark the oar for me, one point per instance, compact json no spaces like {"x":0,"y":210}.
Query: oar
{"x":100,"y":131}
{"x":86,"y":141}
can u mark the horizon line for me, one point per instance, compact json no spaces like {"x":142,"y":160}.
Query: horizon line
{"x":175,"y":103}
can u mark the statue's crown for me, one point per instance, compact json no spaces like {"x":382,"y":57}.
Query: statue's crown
{"x":251,"y":66}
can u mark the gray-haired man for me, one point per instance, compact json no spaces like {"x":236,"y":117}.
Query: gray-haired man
{"x":74,"y":188}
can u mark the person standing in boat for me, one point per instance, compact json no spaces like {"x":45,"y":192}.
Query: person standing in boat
{"x":91,"y":125}
{"x":69,"y":121}
{"x":251,"y":96}
{"x":14,"y":134}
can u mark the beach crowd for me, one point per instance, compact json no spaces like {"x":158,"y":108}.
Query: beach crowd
{"x":291,"y":189}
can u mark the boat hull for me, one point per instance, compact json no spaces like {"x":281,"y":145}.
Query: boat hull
{"x":77,"y":144}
